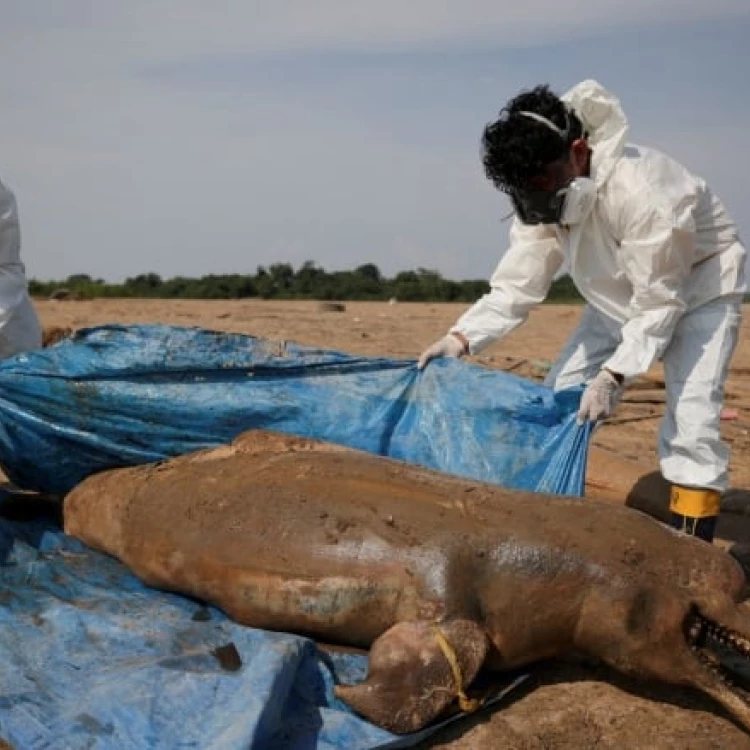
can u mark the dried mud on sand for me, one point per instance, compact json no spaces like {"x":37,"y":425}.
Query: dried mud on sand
{"x":567,"y":705}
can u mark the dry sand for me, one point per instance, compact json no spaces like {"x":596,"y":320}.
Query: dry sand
{"x":564,"y":706}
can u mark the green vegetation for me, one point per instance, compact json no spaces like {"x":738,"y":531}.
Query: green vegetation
{"x":281,"y":281}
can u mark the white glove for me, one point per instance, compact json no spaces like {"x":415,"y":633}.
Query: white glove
{"x":448,"y":346}
{"x":599,"y":398}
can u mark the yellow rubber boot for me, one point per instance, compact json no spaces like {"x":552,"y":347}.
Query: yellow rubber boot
{"x":695,"y":511}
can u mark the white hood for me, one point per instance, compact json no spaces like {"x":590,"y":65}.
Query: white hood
{"x":604,"y":121}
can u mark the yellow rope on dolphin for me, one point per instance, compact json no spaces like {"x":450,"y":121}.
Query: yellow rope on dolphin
{"x":469,"y":705}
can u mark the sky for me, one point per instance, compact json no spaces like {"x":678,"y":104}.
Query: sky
{"x":182,"y":137}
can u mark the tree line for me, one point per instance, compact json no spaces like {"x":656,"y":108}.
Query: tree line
{"x":281,"y":281}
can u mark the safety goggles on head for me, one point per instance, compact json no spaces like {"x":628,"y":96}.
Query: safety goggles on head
{"x":567,"y":205}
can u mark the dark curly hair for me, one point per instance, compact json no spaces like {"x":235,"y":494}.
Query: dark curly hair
{"x":516,"y":147}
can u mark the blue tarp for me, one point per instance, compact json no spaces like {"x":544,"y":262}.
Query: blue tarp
{"x":91,"y":658}
{"x":118,"y":396}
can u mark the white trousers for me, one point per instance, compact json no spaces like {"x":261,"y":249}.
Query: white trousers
{"x":696,"y":365}
{"x":22,"y":331}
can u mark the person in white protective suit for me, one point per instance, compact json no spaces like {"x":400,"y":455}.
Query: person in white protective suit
{"x":653,"y":252}
{"x":19,"y":325}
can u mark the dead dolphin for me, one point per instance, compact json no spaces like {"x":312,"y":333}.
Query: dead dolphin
{"x":440,"y":576}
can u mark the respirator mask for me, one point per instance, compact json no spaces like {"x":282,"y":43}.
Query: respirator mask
{"x":568,"y":205}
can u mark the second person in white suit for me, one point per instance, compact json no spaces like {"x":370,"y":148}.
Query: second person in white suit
{"x":653,"y":252}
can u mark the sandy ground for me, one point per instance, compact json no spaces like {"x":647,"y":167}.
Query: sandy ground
{"x":564,"y":705}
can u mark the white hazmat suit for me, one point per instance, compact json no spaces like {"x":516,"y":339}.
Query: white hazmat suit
{"x":19,"y":325}
{"x":661,"y":266}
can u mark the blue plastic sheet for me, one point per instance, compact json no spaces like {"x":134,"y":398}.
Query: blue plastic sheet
{"x":119,"y":396}
{"x":91,"y":658}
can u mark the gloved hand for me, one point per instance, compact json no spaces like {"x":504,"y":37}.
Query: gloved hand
{"x":599,"y":398}
{"x":448,"y":346}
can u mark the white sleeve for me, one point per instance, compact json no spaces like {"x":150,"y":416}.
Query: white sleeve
{"x":657,"y":252}
{"x":520,"y":282}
